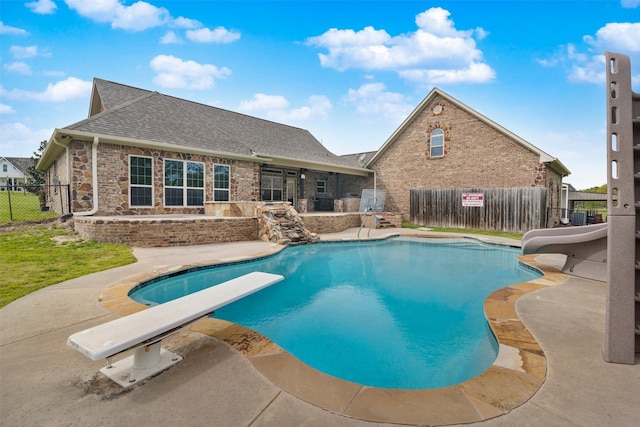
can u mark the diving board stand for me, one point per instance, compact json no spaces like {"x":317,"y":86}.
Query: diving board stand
{"x":143,"y":331}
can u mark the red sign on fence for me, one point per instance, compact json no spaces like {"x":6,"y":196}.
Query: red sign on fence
{"x":473,"y":199}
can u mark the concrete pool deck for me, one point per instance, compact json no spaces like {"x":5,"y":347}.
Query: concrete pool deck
{"x":44,"y":382}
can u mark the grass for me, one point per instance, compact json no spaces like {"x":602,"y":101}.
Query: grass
{"x":38,"y":257}
{"x":516,"y":236}
{"x":24,"y":206}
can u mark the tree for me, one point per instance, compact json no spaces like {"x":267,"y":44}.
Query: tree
{"x":36,"y":177}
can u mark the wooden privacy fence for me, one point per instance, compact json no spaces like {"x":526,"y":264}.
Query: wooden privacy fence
{"x":515,"y":210}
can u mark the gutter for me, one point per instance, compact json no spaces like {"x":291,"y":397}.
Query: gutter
{"x":94,"y":179}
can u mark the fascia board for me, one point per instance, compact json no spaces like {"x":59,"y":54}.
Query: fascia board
{"x":305,"y":164}
{"x":54,"y":150}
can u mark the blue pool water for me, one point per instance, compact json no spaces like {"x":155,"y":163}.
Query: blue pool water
{"x":400,"y":313}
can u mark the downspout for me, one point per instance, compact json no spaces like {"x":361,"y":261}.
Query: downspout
{"x":375,"y":189}
{"x":94,"y":178}
{"x":66,"y":154}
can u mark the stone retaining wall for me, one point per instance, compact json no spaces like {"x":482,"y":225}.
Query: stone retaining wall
{"x":145,"y":231}
{"x":161,"y":231}
{"x":334,"y":223}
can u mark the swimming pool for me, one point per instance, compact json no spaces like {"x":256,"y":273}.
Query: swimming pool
{"x":400,"y":313}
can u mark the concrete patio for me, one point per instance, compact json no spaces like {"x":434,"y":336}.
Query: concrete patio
{"x":43,"y":382}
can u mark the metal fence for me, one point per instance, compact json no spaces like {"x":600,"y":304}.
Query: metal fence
{"x":502,"y":209}
{"x":34,"y":202}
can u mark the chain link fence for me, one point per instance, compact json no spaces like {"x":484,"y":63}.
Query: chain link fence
{"x":34,"y":202}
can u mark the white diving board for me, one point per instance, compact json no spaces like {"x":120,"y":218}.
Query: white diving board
{"x":143,"y":331}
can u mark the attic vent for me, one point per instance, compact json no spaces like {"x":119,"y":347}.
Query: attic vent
{"x":272,"y":171}
{"x":362,"y":156}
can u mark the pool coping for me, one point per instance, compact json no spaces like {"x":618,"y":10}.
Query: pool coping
{"x":517,"y":374}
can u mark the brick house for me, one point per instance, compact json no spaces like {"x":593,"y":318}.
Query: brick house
{"x":142,"y":153}
{"x":446,"y":144}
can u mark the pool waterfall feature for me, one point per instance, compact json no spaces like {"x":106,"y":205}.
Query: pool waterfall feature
{"x":279,"y":222}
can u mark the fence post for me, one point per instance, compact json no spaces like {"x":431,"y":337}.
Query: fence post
{"x":68,"y":198}
{"x":10,"y":210}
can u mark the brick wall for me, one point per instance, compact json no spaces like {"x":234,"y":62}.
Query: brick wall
{"x":476,"y":155}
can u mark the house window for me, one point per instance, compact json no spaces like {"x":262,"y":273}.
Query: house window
{"x":221,"y":183}
{"x":271,"y":188}
{"x":4,"y":168}
{"x":183,"y":183}
{"x":140,"y":181}
{"x":437,"y":143}
{"x":321,"y":187}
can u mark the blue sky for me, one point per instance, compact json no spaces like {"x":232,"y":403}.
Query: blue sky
{"x":348,"y":71}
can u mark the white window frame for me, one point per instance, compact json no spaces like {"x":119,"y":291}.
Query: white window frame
{"x":227,"y":189}
{"x":436,"y":134}
{"x":185,"y":188}
{"x":131,"y":185}
{"x":321,"y":186}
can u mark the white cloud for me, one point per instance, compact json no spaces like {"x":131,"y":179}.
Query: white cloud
{"x":173,"y":72}
{"x":25,"y":51}
{"x":18,"y":67}
{"x":65,"y":90}
{"x":275,"y":107}
{"x":217,"y":35}
{"x":12,"y":31}
{"x":617,"y":36}
{"x":170,"y":38}
{"x":18,"y":140}
{"x":6,"y":109}
{"x":136,"y":17}
{"x":42,"y":7}
{"x":373,"y":99}
{"x":261,"y":102}
{"x":475,"y":73}
{"x":434,"y":50}
{"x":588,"y":64}
{"x":631,"y":4}
{"x":186,"y":23}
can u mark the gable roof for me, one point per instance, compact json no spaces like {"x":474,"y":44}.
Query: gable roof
{"x":137,"y":117}
{"x":553,"y":162}
{"x":20,"y":163}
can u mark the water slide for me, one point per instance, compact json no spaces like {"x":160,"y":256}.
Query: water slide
{"x":585,"y":248}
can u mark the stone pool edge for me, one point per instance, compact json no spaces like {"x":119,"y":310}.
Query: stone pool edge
{"x":515,"y":376}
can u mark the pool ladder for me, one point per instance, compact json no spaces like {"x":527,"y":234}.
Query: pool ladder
{"x":364,"y":220}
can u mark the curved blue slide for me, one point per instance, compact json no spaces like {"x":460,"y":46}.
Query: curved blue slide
{"x":585,"y":248}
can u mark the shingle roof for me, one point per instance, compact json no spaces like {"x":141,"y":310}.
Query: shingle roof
{"x":22,"y":163}
{"x":151,"y":116}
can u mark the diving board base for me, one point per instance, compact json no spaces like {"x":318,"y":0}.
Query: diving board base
{"x":146,"y":362}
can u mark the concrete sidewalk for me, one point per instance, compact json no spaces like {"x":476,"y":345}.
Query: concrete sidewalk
{"x":45,"y":383}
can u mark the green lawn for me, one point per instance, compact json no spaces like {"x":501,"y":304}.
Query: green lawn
{"x":25,"y":206}
{"x":33,"y":259}
{"x":516,"y":236}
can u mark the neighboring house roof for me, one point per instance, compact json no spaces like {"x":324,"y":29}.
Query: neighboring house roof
{"x":137,"y":117}
{"x":20,"y":163}
{"x":360,"y":159}
{"x":552,"y":162}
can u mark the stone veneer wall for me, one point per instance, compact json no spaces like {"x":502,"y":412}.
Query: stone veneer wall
{"x":145,"y":231}
{"x":333,"y":223}
{"x":157,"y":231}
{"x":113,"y":179}
{"x":476,"y":156}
